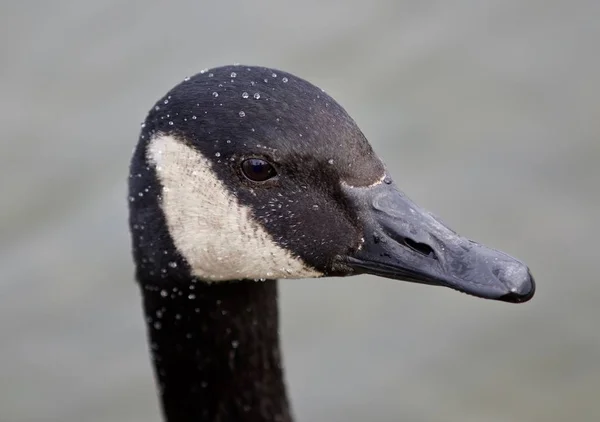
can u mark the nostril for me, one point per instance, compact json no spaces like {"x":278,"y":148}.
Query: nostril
{"x":422,"y":248}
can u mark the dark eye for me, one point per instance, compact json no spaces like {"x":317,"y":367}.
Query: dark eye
{"x":258,"y":170}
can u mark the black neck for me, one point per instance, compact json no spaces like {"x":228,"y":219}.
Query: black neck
{"x":216,"y":351}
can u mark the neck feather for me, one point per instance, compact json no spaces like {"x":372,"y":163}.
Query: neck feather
{"x":216,"y":352}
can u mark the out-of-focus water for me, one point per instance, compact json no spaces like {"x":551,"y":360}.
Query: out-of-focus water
{"x":486,"y":112}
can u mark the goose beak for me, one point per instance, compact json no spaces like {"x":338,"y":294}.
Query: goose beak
{"x":405,"y":242}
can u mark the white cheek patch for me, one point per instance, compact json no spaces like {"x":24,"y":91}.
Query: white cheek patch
{"x":216,"y":234}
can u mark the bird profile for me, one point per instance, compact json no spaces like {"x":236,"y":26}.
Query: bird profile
{"x":243,"y":175}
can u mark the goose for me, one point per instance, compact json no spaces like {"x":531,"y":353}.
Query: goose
{"x":243,"y":175}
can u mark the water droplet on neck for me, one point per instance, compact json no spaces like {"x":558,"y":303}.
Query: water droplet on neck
{"x":245,"y":95}
{"x":242,"y":114}
{"x":256,"y":95}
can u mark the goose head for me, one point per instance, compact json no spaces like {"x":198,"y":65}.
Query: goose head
{"x":245,"y":173}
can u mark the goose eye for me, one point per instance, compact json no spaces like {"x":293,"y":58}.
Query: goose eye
{"x":258,"y":170}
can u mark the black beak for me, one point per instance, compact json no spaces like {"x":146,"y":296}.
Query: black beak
{"x":403,"y":241}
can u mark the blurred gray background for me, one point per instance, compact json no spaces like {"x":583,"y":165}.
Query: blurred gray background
{"x":486,"y":112}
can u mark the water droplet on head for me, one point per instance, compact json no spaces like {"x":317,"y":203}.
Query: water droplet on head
{"x":245,"y":94}
{"x":235,"y":344}
{"x":387,"y":180}
{"x":315,"y":207}
{"x":284,"y":79}
{"x":210,"y":75}
{"x":330,"y":161}
{"x":173,"y":264}
{"x":156,"y":108}
{"x":166,"y":101}
{"x":217,"y":154}
{"x":215,"y":94}
{"x":242,"y":114}
{"x":274,"y":74}
{"x":194,"y":117}
{"x":233,"y":74}
{"x":256,"y":95}
{"x":170,"y":123}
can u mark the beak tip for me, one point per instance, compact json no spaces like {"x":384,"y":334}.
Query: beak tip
{"x":521,"y":291}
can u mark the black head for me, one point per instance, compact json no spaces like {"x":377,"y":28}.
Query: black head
{"x":247,"y":172}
